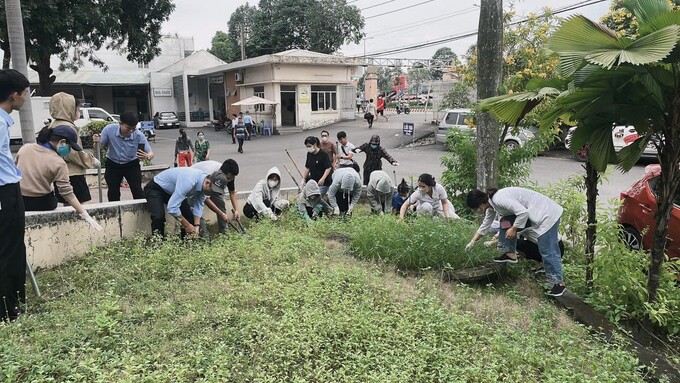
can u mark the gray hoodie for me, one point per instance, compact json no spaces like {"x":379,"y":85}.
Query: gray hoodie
{"x":311,"y":197}
{"x":380,"y":189}
{"x":261,"y":192}
{"x":347,"y":181}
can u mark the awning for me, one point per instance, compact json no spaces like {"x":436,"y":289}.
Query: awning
{"x":254,"y":100}
{"x":95,"y":77}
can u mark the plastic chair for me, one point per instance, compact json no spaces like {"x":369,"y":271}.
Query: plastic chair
{"x":267,"y":128}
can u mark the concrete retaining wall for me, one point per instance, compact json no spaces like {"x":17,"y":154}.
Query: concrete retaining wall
{"x":148,"y":173}
{"x":54,"y":237}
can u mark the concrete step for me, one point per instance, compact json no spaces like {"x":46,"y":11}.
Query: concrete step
{"x":284,"y":130}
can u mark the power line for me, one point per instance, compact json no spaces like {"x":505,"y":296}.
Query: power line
{"x":422,"y":22}
{"x":397,"y":10}
{"x":377,"y":5}
{"x":473,"y":33}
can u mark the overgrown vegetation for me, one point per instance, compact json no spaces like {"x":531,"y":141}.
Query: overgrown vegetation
{"x":282,"y":304}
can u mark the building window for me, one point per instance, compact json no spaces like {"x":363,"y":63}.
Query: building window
{"x":258,"y":91}
{"x":324,"y":97}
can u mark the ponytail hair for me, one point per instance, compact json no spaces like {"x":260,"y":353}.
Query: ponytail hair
{"x":427,"y":179}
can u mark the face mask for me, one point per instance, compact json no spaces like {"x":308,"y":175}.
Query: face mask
{"x":422,"y":189}
{"x":201,"y":138}
{"x":272,"y":184}
{"x":324,"y":139}
{"x":63,"y":150}
{"x":311,"y":150}
{"x":374,"y":146}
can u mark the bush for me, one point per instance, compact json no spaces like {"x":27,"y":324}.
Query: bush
{"x":86,"y":132}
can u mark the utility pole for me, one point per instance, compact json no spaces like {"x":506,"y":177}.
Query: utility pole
{"x":366,"y":38}
{"x":243,"y":43}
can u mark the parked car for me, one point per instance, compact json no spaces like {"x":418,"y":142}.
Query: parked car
{"x":622,"y":136}
{"x":166,"y":120}
{"x":116,"y":117}
{"x":88,"y":115}
{"x":636,"y":214}
{"x":455,"y":119}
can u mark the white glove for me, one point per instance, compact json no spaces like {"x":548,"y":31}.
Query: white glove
{"x":357,"y":150}
{"x":395,"y":163}
{"x":470,"y":245}
{"x":273,"y":216}
{"x":349,"y":210}
{"x":336,"y":211}
{"x":84,"y":215}
{"x":96,"y":163}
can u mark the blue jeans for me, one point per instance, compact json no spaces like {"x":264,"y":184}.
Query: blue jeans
{"x":323,"y":190}
{"x":548,"y":246}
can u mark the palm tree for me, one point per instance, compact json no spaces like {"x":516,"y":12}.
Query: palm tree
{"x":15,"y":32}
{"x":634,"y":80}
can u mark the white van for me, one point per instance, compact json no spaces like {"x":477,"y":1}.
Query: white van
{"x":41,"y":112}
{"x":455,"y":119}
{"x":88,"y":115}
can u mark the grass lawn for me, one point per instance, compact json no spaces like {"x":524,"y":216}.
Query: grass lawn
{"x":287,"y":304}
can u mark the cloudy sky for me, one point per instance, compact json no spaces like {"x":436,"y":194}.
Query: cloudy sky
{"x":389,"y":23}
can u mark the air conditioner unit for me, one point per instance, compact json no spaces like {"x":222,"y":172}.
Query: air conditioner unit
{"x":238,"y":77}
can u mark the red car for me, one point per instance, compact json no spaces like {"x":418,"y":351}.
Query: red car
{"x":636,"y":214}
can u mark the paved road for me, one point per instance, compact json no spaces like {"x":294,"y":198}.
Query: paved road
{"x":263,"y":152}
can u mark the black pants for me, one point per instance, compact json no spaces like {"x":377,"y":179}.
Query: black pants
{"x":12,"y":251}
{"x":114,"y":174}
{"x":367,"y":174}
{"x":156,"y":199}
{"x":80,"y":188}
{"x":240,"y":145}
{"x":45,"y":203}
{"x":250,"y":212}
{"x":370,"y":120}
{"x":343,"y":201}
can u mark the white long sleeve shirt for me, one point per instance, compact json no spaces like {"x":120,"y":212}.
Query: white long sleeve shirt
{"x":527,"y":205}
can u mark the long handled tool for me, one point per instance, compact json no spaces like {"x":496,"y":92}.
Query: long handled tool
{"x":294,"y":163}
{"x":31,"y":276}
{"x":291,"y":176}
{"x":243,"y":229}
{"x":99,"y":170}
{"x":395,"y":177}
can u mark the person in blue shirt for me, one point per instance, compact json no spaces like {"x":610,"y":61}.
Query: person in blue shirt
{"x":248,"y":122}
{"x":123,"y":142}
{"x":172,"y":187}
{"x":13,"y":93}
{"x":400,"y":196}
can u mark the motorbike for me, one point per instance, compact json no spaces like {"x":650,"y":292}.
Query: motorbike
{"x":222,"y":125}
{"x":403,"y":108}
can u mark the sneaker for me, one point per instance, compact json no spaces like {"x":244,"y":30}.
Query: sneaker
{"x":557,"y":290}
{"x":504,"y":259}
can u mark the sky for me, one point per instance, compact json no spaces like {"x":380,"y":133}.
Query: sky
{"x":388,"y":23}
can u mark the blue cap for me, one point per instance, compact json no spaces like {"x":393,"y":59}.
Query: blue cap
{"x":68,"y":133}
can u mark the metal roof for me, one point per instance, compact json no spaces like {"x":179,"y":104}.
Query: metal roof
{"x":97,"y":77}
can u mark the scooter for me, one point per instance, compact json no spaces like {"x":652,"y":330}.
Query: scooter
{"x":222,"y":125}
{"x":403,"y":108}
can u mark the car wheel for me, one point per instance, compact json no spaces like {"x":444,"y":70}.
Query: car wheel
{"x":632,"y":238}
{"x":511,"y":144}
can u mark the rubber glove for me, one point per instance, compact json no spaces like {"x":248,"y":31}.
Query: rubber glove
{"x":357,"y":150}
{"x":84,"y":215}
{"x":336,"y":211}
{"x":469,"y":245}
{"x":273,"y":216}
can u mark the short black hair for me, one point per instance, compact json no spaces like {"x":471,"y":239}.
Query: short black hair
{"x":311,"y":140}
{"x":427,"y":179}
{"x":325,"y":131}
{"x":341,"y":134}
{"x":229,"y":166}
{"x":11,"y":81}
{"x":475,"y":198}
{"x":129,"y":119}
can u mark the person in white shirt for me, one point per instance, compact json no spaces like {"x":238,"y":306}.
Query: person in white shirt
{"x":370,"y":113}
{"x":522,"y":209}
{"x":345,"y":152}
{"x":430,"y":198}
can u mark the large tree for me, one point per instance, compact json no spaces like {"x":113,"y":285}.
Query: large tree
{"x":75,"y":29}
{"x":444,"y":57}
{"x":224,"y":47}
{"x":489,"y":69}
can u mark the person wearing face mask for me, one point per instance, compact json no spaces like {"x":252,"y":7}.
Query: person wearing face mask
{"x":400,"y":196}
{"x":431,"y":199}
{"x":345,"y":191}
{"x":64,"y":109}
{"x":317,"y":166}
{"x":43,"y":166}
{"x":374,"y":155}
{"x":310,"y":205}
{"x":202,"y":147}
{"x":264,"y":200}
{"x":329,"y":148}
{"x":379,"y":192}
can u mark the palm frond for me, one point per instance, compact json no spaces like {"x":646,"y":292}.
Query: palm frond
{"x":601,"y":148}
{"x":629,"y":155}
{"x":646,"y":11}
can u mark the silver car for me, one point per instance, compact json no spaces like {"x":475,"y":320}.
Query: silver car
{"x":166,"y":120}
{"x":456,"y":119}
